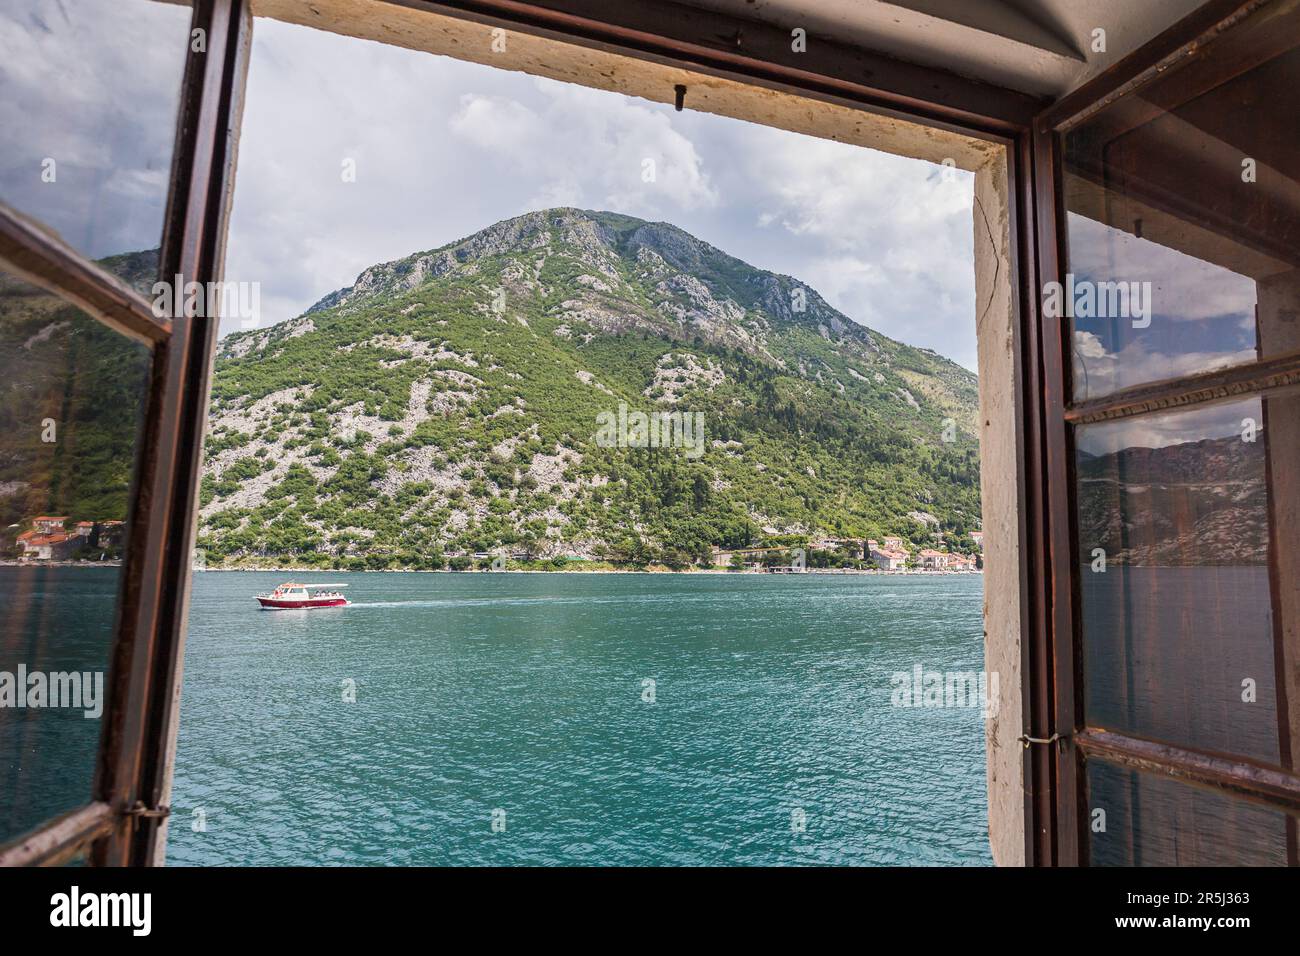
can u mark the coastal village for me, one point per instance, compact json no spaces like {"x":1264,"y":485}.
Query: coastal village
{"x":52,"y":539}
{"x":891,"y":554}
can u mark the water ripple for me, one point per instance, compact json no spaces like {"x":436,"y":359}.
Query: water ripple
{"x":523,"y":693}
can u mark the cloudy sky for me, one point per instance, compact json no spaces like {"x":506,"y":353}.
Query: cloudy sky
{"x":443,"y":148}
{"x":1202,"y":316}
{"x":88,"y":98}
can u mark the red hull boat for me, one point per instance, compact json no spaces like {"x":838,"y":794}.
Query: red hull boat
{"x":290,"y":595}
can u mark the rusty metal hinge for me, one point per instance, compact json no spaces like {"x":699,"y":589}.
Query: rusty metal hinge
{"x":143,"y":812}
{"x":1027,"y":740}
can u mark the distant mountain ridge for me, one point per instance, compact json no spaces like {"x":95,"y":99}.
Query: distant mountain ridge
{"x":1189,"y":504}
{"x":448,"y":401}
{"x":72,"y":395}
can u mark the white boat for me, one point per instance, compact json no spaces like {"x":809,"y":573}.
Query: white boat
{"x":293,"y":595}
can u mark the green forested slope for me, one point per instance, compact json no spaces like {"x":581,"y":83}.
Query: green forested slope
{"x":449,"y":401}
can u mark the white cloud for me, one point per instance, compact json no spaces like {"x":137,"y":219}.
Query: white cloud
{"x":1098,"y":372}
{"x":1172,"y":428}
{"x":588,"y":147}
{"x":889,"y":241}
{"x":1184,"y":288}
{"x":496,"y":123}
{"x":94,"y":87}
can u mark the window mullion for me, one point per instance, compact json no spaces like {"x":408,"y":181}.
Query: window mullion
{"x":40,"y":257}
{"x":1262,"y":784}
{"x":55,"y":840}
{"x":135,"y":764}
{"x":1263,"y":376}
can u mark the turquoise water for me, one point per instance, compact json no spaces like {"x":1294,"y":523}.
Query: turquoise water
{"x":770,"y":738}
{"x":56,"y":620}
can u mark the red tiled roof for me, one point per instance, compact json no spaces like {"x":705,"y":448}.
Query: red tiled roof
{"x":39,"y":540}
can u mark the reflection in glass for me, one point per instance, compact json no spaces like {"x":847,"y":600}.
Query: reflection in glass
{"x":1193,"y":316}
{"x":1178,"y":622}
{"x":88,"y":99}
{"x":1156,"y":821}
{"x":1188,"y":188}
{"x":71,"y":398}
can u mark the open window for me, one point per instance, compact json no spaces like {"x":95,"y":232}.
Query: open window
{"x":1144,"y":616}
{"x":105,"y":396}
{"x":1174,"y":450}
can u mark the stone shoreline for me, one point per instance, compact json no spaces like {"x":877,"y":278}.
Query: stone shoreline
{"x":655,"y":570}
{"x":652,"y":570}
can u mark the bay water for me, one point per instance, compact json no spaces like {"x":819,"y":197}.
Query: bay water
{"x":599,"y":719}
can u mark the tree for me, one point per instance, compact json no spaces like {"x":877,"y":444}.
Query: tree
{"x":700,"y":492}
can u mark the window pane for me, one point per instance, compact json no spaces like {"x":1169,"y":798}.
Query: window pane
{"x":1202,"y":316}
{"x":1139,"y":819}
{"x":71,"y":396}
{"x":1185,"y":192}
{"x":88,"y":98}
{"x":1178,"y":612}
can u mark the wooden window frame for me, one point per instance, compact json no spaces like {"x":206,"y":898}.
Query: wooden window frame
{"x":1277,"y":788}
{"x":125,"y":818}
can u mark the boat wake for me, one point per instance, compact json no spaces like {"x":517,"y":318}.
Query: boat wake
{"x":498,"y":601}
{"x":466,"y":602}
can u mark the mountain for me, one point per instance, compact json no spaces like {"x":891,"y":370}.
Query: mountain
{"x":462,"y":400}
{"x":72,"y":396}
{"x":1190,"y":504}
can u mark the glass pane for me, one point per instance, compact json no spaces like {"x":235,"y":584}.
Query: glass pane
{"x":71,"y":396}
{"x":1181,"y":637}
{"x":1140,"y":819}
{"x":88,"y":99}
{"x":1202,"y":317}
{"x":1185,"y":195}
